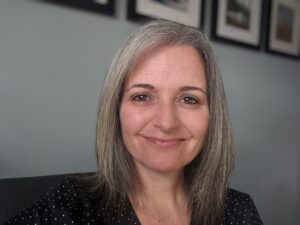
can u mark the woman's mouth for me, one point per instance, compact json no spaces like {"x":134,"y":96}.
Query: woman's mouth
{"x":170,"y":142}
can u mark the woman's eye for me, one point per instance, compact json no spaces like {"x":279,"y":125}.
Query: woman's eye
{"x":140,"y":97}
{"x":190,"y":100}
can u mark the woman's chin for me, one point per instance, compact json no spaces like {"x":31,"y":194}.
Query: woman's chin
{"x":162,"y":167}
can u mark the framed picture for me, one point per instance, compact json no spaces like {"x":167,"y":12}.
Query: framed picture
{"x":102,"y":6}
{"x":284,"y":24}
{"x":237,"y":22}
{"x":189,"y":12}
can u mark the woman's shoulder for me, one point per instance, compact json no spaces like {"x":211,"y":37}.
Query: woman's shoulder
{"x":240,"y":209}
{"x":234,"y":195}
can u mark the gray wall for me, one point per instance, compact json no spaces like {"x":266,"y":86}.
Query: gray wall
{"x":52,"y":63}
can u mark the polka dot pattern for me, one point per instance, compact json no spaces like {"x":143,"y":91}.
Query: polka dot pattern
{"x":240,"y":210}
{"x":64,"y":205}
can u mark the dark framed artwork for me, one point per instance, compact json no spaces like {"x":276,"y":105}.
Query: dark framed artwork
{"x":102,"y":6}
{"x":284,"y":22}
{"x":189,"y":12}
{"x":237,"y":22}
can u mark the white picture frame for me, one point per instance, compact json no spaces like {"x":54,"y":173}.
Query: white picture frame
{"x":238,"y":22}
{"x":284,"y":28}
{"x":187,"y":12}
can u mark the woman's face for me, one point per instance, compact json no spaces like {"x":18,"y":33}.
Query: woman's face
{"x":164,"y":111}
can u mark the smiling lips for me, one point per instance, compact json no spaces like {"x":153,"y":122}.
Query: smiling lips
{"x":164,"y":142}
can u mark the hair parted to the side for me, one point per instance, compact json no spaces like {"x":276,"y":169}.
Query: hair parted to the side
{"x":206,"y":176}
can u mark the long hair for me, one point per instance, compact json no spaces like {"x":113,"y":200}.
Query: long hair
{"x":207,"y":175}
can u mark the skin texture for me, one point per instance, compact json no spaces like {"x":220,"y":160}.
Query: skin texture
{"x":164,"y":111}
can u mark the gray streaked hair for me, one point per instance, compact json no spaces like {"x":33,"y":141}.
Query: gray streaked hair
{"x":207,"y":175}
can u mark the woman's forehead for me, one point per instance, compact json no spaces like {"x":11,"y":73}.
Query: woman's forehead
{"x":170,"y":64}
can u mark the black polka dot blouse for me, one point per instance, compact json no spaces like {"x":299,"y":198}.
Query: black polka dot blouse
{"x":64,"y":205}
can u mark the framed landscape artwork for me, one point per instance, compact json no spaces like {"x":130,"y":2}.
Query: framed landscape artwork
{"x":102,"y":6}
{"x":189,"y":12}
{"x":237,"y":22}
{"x":284,"y":23}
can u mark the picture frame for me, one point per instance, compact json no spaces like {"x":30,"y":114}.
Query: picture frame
{"x":237,"y":22}
{"x":284,"y":28}
{"x":188,"y":12}
{"x":98,"y":6}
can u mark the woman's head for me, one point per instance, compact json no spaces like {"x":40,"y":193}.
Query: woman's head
{"x":164,"y":112}
{"x":210,"y":169}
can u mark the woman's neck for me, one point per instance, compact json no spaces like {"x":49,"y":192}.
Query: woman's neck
{"x":163,"y":199}
{"x":161,"y":189}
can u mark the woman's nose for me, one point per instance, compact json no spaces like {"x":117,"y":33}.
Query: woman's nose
{"x":166,"y":116}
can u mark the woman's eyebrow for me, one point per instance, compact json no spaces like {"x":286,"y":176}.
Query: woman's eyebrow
{"x":183,"y":88}
{"x":146,"y":86}
{"x":191,"y":88}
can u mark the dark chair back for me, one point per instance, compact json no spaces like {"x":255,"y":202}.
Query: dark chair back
{"x":18,"y":193}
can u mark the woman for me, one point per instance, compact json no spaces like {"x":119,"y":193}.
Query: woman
{"x":164,"y":141}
